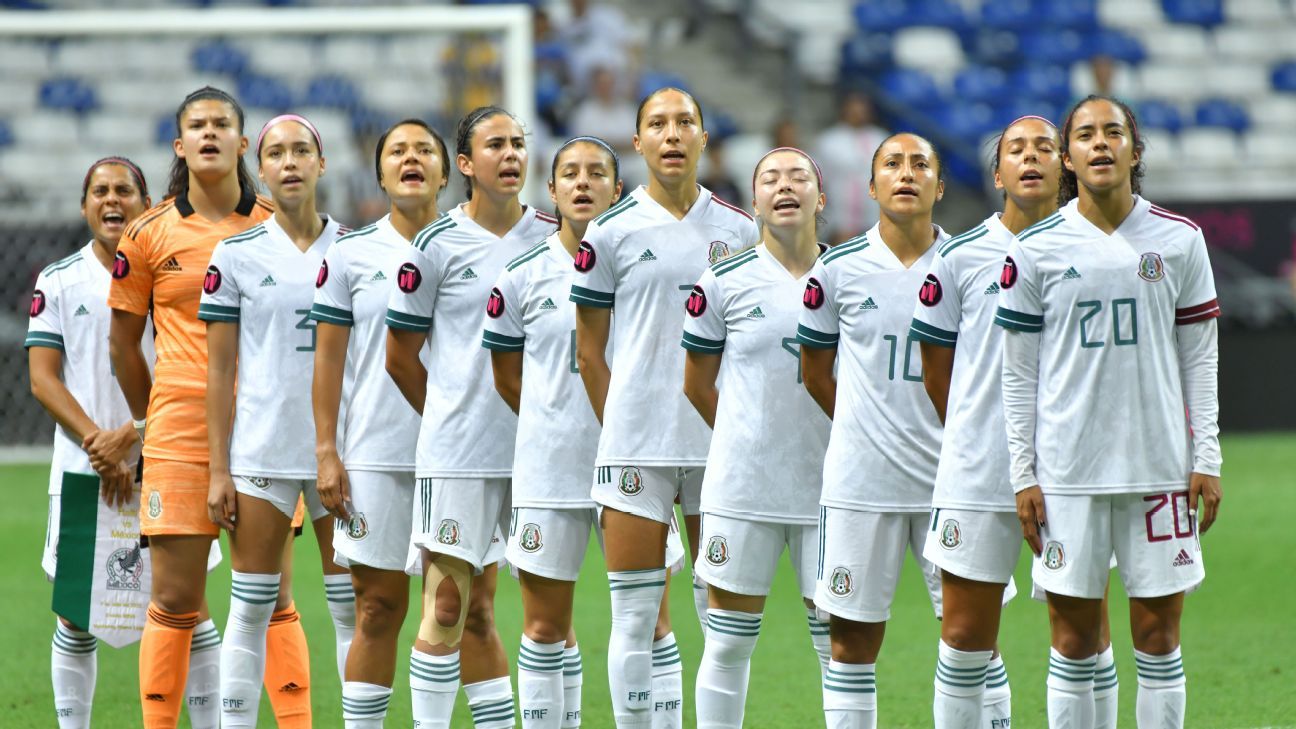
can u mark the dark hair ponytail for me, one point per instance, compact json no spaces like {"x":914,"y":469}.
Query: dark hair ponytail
{"x":1070,"y":187}
{"x":178,"y":182}
{"x":464,"y":134}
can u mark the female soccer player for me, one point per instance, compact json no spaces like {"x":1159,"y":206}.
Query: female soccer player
{"x":881,"y":459}
{"x":369,"y":485}
{"x":67,"y":357}
{"x":530,"y":332}
{"x":256,"y":302}
{"x":465,"y":444}
{"x":742,"y":331}
{"x":158,"y":269}
{"x":1110,"y":310}
{"x":643,"y":254}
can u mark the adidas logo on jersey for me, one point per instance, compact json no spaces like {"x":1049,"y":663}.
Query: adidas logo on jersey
{"x":756,"y":314}
{"x":647,"y":255}
{"x":81,"y":311}
{"x":378,"y":276}
{"x":992,"y":289}
{"x":467,"y":275}
{"x":268,"y":281}
{"x":1070,"y":274}
{"x":172,"y":265}
{"x":548,"y":305}
{"x":1183,"y":559}
{"x":868,"y":305}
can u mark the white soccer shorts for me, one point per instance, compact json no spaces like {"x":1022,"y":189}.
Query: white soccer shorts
{"x":1152,"y":537}
{"x":382,"y":510}
{"x":551,"y":542}
{"x":283,"y":493}
{"x":649,"y":491}
{"x":466,"y":518}
{"x":741,"y":555}
{"x":975,"y":545}
{"x":860,"y":556}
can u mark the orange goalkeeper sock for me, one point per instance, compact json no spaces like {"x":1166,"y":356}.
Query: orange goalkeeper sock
{"x":164,"y":665}
{"x":287,"y":671}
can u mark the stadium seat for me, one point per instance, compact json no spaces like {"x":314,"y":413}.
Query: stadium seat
{"x":912,"y":87}
{"x":164,"y":130}
{"x":1237,"y":80}
{"x":45,"y":131}
{"x":1176,"y":43}
{"x":993,"y":47}
{"x":1158,"y":114}
{"x":1081,"y":15}
{"x":1273,"y":112}
{"x":1270,"y":149}
{"x":1257,"y":11}
{"x":1261,"y":44}
{"x":1055,"y":46}
{"x":1119,"y":45}
{"x":1174,"y":80}
{"x":20,"y":97}
{"x":874,"y":16}
{"x":982,"y":83}
{"x":1048,"y":83}
{"x":218,"y":57}
{"x":24,"y":59}
{"x":1125,"y":81}
{"x":287,"y":58}
{"x":264,"y":92}
{"x":1131,"y":14}
{"x":651,"y":80}
{"x":1284,"y":77}
{"x":1210,"y":147}
{"x":120,"y":132}
{"x":86,"y":57}
{"x":937,"y":14}
{"x":967,"y":120}
{"x":936,"y":51}
{"x":866,"y":53}
{"x":347,"y":54}
{"x":1197,"y":12}
{"x":1160,"y":149}
{"x":68,"y":94}
{"x":6,"y":133}
{"x":1222,"y":113}
{"x":1021,"y":106}
{"x":1016,"y":15}
{"x":332,"y":91}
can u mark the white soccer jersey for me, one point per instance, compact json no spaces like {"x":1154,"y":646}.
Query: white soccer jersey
{"x":263,"y":282}
{"x":641,"y":259}
{"x":378,"y":428}
{"x":886,"y":437}
{"x":69,"y":312}
{"x":767,"y":452}
{"x":958,"y":308}
{"x":467,"y":431}
{"x":1109,"y":412}
{"x":557,"y":433}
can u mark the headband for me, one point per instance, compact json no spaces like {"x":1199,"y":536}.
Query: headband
{"x":803,"y":153}
{"x":616,"y":160}
{"x":1031,"y":116}
{"x":319,"y":145}
{"x":116,"y":160}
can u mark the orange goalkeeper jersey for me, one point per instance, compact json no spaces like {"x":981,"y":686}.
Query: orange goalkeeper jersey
{"x":160,"y":265}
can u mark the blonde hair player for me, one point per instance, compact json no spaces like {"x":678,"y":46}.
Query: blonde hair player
{"x":465,"y":448}
{"x":1110,"y":307}
{"x":882,"y":454}
{"x":366,"y":461}
{"x":741,"y":332}
{"x":256,"y":301}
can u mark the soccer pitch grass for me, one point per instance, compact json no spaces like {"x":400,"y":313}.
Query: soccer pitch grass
{"x":1239,"y":633}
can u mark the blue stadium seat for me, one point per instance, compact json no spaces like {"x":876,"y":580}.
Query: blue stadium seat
{"x":1284,"y":77}
{"x":1009,"y":14}
{"x":881,"y":16}
{"x":1118,"y":45}
{"x":912,"y":87}
{"x":264,"y":92}
{"x":164,"y":130}
{"x":1222,"y":113}
{"x":1158,"y":114}
{"x":993,"y":47}
{"x":6,"y":134}
{"x":218,"y":57}
{"x":937,"y":14}
{"x":1079,"y":15}
{"x":651,"y":80}
{"x":966,"y":121}
{"x":866,"y":53}
{"x":1045,"y":83}
{"x":720,"y":124}
{"x":1198,"y":12}
{"x":1022,"y":106}
{"x":371,"y":122}
{"x":68,"y":94}
{"x":331,"y":92}
{"x":1062,"y":47}
{"x":982,"y":83}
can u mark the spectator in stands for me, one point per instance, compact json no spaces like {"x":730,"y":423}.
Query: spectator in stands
{"x":716,"y":176}
{"x":607,"y":113}
{"x":785,"y":133}
{"x":845,"y":151}
{"x":597,"y":35}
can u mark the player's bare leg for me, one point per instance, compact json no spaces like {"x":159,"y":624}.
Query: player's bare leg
{"x":1154,"y":628}
{"x":635,"y":554}
{"x":546,"y":630}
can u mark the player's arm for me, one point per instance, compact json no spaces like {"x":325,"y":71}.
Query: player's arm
{"x":1020,"y":386}
{"x":818,"y":376}
{"x":1198,"y":349}
{"x":326,"y":399}
{"x":125,"y":337}
{"x":222,"y":368}
{"x":404,"y":365}
{"x":938,"y":368}
{"x":593,"y":328}
{"x":700,"y":374}
{"x":507,"y":369}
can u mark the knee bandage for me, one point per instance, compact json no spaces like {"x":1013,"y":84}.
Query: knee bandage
{"x":460,"y":574}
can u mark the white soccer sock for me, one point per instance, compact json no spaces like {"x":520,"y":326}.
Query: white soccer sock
{"x":1106,"y":690}
{"x":202,"y":691}
{"x":636,"y":598}
{"x":667,"y":684}
{"x":540,"y":683}
{"x":960,"y":683}
{"x":341,"y":605}
{"x":364,"y":705}
{"x":1070,"y":691}
{"x":491,"y":703}
{"x":701,"y":603}
{"x":573,"y":678}
{"x":242,"y":660}
{"x":434,"y":682}
{"x":726,"y":664}
{"x":74,"y":663}
{"x":819,"y":638}
{"x":1162,"y":690}
{"x":996,"y":702}
{"x":850,"y":695}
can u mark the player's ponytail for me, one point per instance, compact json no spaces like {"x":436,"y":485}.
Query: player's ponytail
{"x":178,"y":180}
{"x":1070,"y":185}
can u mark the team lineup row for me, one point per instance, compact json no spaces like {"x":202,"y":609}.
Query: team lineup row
{"x":1048,"y":352}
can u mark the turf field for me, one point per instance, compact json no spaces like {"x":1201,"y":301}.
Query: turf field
{"x":1239,"y":639}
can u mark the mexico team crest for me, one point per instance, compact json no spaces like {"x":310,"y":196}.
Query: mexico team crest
{"x":357,"y":526}
{"x":718,"y":250}
{"x":631,"y":481}
{"x":717,"y":550}
{"x":1054,"y":558}
{"x":125,"y":569}
{"x":1151,"y":267}
{"x":448,"y":532}
{"x":155,"y":505}
{"x":840,"y":583}
{"x":530,"y":540}
{"x":951,"y":535}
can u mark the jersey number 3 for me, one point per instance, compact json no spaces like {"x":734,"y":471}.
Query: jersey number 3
{"x":306,"y":324}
